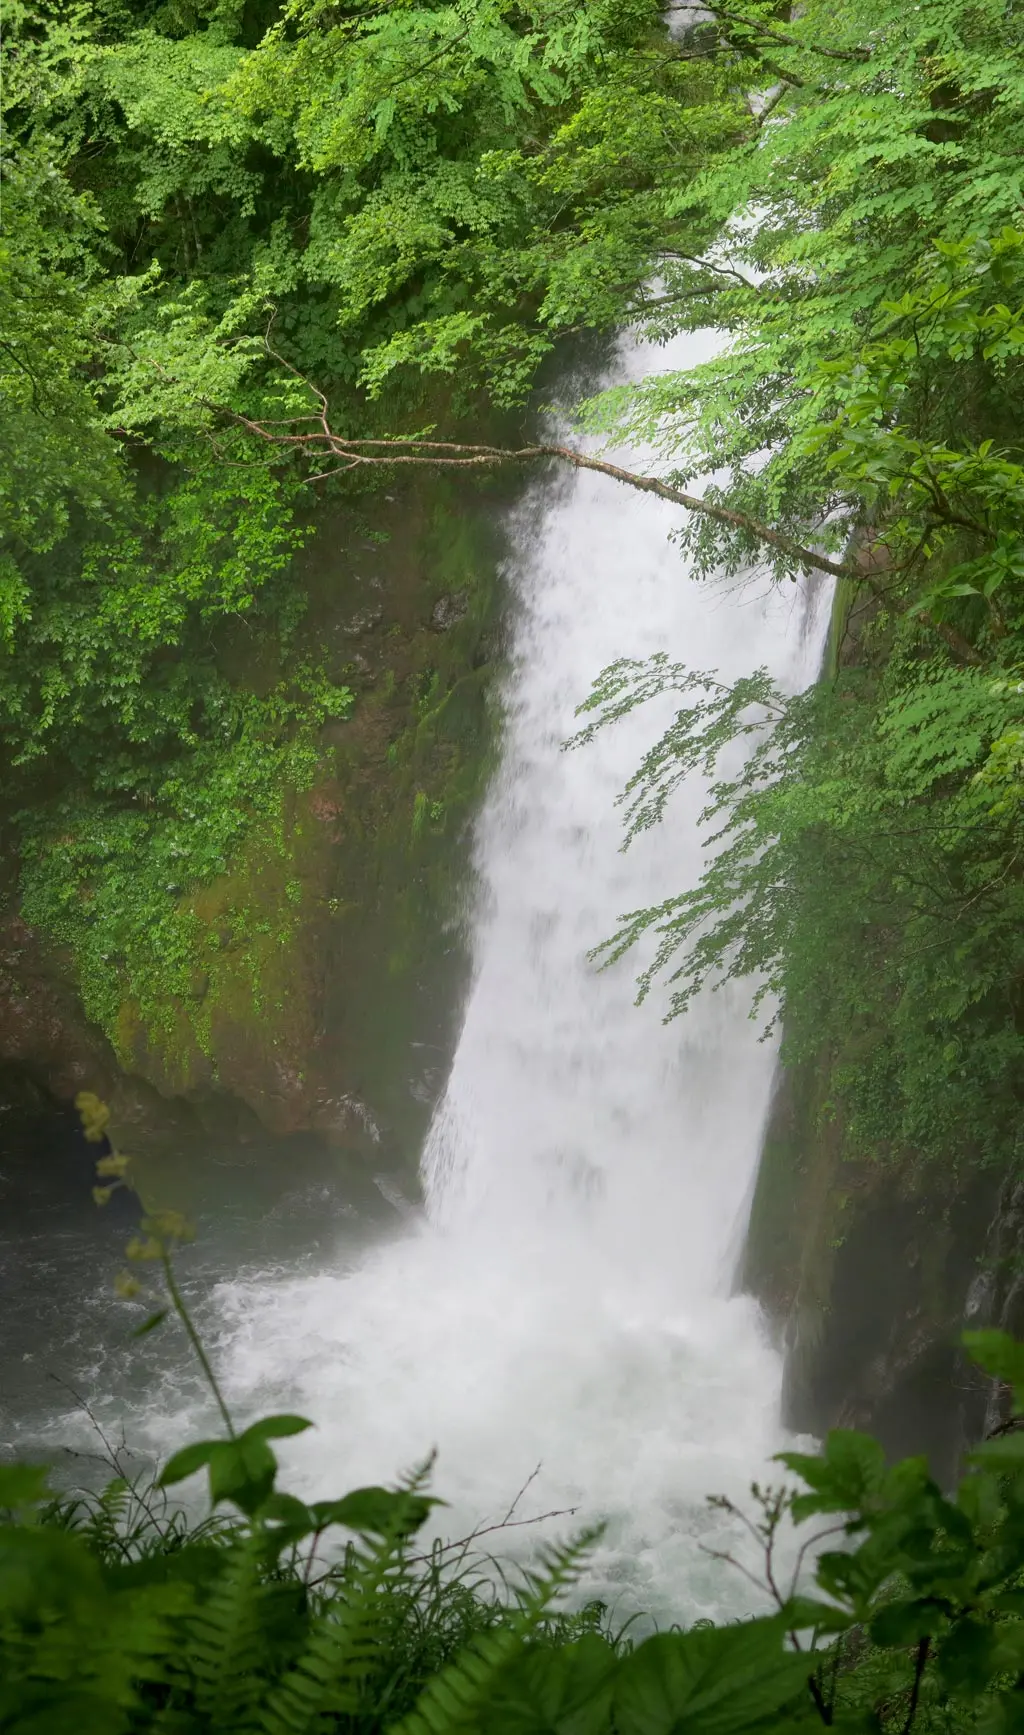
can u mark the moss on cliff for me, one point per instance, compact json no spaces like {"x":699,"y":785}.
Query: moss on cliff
{"x":300,"y":977}
{"x":862,"y":1253}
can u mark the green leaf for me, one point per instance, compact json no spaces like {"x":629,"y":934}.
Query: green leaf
{"x":289,"y":1520}
{"x":718,"y":1681}
{"x":380,"y":1511}
{"x":23,"y":1485}
{"x":1002,"y":1357}
{"x":560,"y":1690}
{"x":197,"y":1564}
{"x":967,"y":1656}
{"x":186,"y":1462}
{"x":805,"y":1614}
{"x":903,"y":1623}
{"x":36,"y":1709}
{"x":45,"y":1569}
{"x":286,"y":1509}
{"x":843,"y":1477}
{"x":151,"y":1323}
{"x":243,"y":1472}
{"x":276,"y":1428}
{"x":1005,"y":1452}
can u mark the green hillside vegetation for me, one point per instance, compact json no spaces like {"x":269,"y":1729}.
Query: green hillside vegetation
{"x":201,"y":205}
{"x":213,"y":215}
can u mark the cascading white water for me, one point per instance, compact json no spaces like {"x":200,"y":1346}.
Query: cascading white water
{"x":566,"y":1300}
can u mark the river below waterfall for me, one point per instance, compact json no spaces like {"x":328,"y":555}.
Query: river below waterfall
{"x":561,"y":1309}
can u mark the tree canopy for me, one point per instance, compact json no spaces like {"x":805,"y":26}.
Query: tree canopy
{"x":204,"y":207}
{"x":248,"y":245}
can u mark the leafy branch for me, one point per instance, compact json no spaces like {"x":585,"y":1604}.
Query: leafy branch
{"x":321,"y":441}
{"x":759,"y":31}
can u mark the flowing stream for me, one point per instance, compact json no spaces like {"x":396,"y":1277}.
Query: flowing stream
{"x":565,"y":1300}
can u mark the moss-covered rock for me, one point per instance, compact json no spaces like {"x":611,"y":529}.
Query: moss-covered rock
{"x":324,"y":967}
{"x":866,"y":1259}
{"x":865,"y":1269}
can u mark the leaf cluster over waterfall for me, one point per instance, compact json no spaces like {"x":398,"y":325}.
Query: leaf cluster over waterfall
{"x":867,"y":410}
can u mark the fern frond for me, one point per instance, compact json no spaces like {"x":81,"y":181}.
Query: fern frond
{"x":343,"y":1650}
{"x":106,"y":1521}
{"x":455,"y":1699}
{"x":227,"y":1640}
{"x":559,"y":1570}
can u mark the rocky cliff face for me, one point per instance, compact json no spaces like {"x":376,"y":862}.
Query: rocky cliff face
{"x":869,"y":1275}
{"x":329,"y":963}
{"x":869,"y":1268}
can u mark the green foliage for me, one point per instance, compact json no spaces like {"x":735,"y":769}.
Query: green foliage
{"x":110,"y":878}
{"x":409,"y":204}
{"x":892,"y":131}
{"x":117,"y":1609}
{"x":419,"y":188}
{"x":864,"y":865}
{"x":134,"y":766}
{"x":861,"y":873}
{"x":202,"y":204}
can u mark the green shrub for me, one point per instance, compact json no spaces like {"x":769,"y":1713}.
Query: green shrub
{"x":120,"y":1615}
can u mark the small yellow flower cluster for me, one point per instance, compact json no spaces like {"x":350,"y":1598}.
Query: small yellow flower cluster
{"x":160,"y":1232}
{"x":95,"y":1116}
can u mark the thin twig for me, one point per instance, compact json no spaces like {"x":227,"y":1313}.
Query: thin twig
{"x":812,"y":1542}
{"x":531,"y":1478}
{"x":111,"y":1452}
{"x":923,"y":1647}
{"x":466,"y":1542}
{"x":774,"y":35}
{"x":730,"y":1560}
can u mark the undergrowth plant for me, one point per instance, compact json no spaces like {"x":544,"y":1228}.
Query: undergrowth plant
{"x":276,"y":1616}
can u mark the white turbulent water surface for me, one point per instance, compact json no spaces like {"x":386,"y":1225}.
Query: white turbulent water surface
{"x":565,"y":1300}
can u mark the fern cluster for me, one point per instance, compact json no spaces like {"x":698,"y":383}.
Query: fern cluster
{"x":120,"y":1617}
{"x":274,"y":1616}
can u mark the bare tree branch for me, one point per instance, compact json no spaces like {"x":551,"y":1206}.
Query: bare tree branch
{"x":727,"y":16}
{"x":348,"y":455}
{"x":291,"y":434}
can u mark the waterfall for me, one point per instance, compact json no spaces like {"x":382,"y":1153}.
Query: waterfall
{"x":565,"y":1302}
